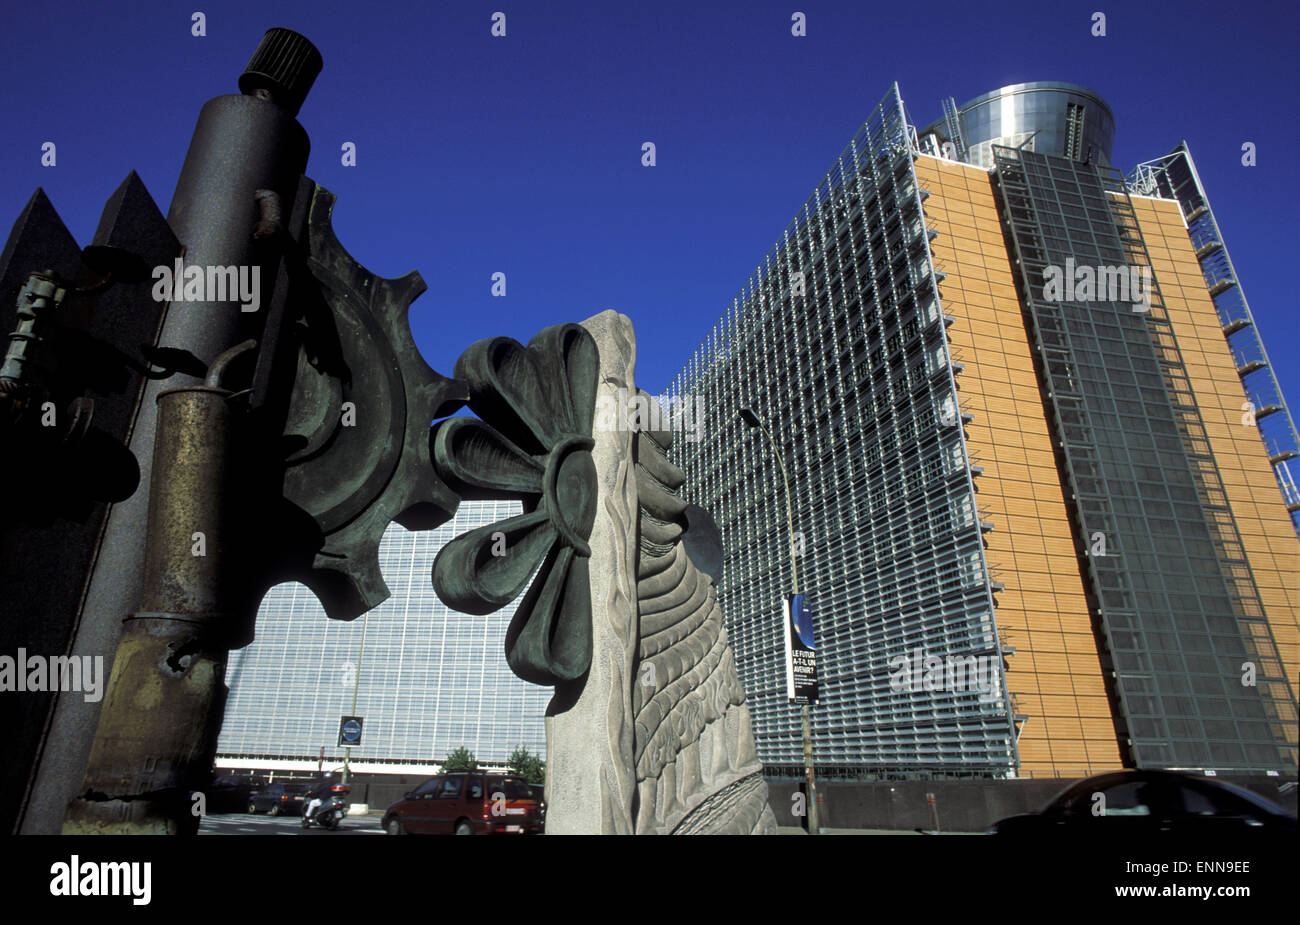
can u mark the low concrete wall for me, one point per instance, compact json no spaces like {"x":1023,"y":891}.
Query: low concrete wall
{"x":379,"y":791}
{"x":961,"y":805}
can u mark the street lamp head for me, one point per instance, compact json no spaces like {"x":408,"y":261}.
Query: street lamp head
{"x":749,"y":417}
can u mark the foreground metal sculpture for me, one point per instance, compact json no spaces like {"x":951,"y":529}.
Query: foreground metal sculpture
{"x":647,"y":732}
{"x":275,"y":439}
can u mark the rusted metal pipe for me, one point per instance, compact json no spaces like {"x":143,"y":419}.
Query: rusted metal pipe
{"x":166,"y":695}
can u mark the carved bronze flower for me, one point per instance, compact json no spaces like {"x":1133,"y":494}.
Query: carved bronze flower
{"x":532,"y":442}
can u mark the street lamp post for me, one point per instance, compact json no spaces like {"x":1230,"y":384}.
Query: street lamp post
{"x":356,"y":683}
{"x":751,"y":418}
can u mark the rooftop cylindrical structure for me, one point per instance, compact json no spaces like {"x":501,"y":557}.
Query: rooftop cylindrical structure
{"x":1047,"y":117}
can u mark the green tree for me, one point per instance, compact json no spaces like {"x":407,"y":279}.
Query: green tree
{"x":460,"y":760}
{"x":527,"y":765}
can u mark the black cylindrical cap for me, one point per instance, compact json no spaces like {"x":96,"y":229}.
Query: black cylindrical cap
{"x":286,"y":64}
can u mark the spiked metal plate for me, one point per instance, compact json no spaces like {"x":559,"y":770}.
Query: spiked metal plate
{"x":356,"y":440}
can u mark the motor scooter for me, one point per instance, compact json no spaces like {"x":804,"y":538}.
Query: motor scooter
{"x":331,"y":811}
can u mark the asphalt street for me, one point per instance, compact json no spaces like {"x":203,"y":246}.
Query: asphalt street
{"x":244,"y":824}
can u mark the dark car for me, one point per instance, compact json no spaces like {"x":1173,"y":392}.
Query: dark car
{"x":466,"y":803}
{"x":232,"y":792}
{"x":280,"y":799}
{"x":1137,"y":803}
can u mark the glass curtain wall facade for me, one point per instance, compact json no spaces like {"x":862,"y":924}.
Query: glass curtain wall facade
{"x":838,"y":341}
{"x":1055,"y":667}
{"x":1181,"y":613}
{"x":429,"y":680}
{"x":1245,"y":463}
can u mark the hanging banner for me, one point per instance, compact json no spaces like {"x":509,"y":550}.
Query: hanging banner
{"x":350,"y":731}
{"x":800,"y":650}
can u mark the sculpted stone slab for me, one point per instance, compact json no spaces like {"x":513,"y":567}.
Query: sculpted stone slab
{"x":648,"y":731}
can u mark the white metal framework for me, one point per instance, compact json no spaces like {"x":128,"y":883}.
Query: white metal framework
{"x":838,"y":340}
{"x":1174,"y":176}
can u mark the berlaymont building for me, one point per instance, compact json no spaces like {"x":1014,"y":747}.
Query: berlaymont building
{"x":1031,"y":432}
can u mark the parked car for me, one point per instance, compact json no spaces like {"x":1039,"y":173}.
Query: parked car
{"x":466,"y":803}
{"x":279,"y":799}
{"x":1126,"y":804}
{"x":232,"y":792}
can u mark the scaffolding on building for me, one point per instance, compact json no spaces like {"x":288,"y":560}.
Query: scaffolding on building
{"x":1175,"y":177}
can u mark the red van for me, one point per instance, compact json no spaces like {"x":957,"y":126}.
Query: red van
{"x":466,"y":803}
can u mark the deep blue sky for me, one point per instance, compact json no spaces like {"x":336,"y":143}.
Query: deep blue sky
{"x":522,"y":154}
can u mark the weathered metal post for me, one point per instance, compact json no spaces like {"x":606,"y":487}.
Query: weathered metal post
{"x":156,"y":734}
{"x":170,"y":661}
